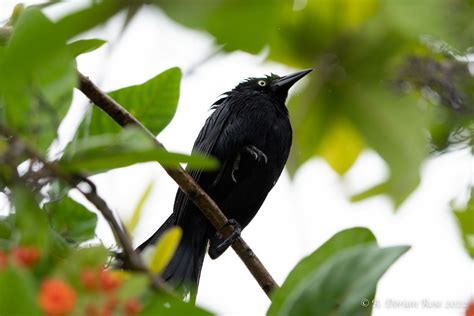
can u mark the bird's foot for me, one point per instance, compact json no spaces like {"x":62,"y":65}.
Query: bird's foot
{"x":232,"y":238}
{"x":256,"y":153}
{"x":235,"y":167}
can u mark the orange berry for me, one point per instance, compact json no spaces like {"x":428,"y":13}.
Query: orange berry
{"x":89,"y":279}
{"x":91,"y":310}
{"x":132,"y":307}
{"x":56,"y":297}
{"x":108,"y":281}
{"x":470,"y":308}
{"x":111,"y":303}
{"x":26,"y":256}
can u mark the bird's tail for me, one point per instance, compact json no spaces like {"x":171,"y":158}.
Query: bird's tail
{"x":184,"y":269}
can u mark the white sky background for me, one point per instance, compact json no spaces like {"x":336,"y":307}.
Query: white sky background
{"x":297,"y":217}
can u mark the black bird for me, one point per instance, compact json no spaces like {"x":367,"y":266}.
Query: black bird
{"x":250,"y":134}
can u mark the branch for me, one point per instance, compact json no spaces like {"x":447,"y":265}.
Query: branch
{"x":88,"y":189}
{"x":187,"y":184}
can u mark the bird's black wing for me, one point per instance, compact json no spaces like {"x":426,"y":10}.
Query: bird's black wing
{"x":204,"y":144}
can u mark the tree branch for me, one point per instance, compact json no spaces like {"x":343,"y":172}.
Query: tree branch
{"x":88,"y":189}
{"x":187,"y":184}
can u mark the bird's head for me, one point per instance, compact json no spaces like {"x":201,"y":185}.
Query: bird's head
{"x":272,"y":85}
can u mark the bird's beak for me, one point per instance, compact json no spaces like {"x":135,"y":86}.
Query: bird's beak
{"x":286,"y":82}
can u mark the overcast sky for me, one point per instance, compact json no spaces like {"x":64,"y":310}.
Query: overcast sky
{"x":298,"y":215}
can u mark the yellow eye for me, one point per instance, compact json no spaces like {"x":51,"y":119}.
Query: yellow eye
{"x":262,"y":83}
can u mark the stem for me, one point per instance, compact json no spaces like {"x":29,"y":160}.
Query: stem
{"x":90,"y":193}
{"x":187,"y":184}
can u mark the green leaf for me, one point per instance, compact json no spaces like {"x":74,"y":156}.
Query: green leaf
{"x":237,"y":24}
{"x":465,"y":219}
{"x":85,"y":46}
{"x":153,"y":103}
{"x":72,"y":220}
{"x":7,"y":230}
{"x":133,"y":222}
{"x":97,"y":13}
{"x":130,"y":146}
{"x":402,"y":148}
{"x":163,"y":305}
{"x":135,"y":285}
{"x":31,"y":221}
{"x":36,"y":88}
{"x":18,"y":293}
{"x":335,"y":278}
{"x":165,"y":249}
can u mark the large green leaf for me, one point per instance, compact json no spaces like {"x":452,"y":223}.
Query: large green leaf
{"x":335,"y":278}
{"x":101,"y":153}
{"x":72,"y":220}
{"x":37,"y":77}
{"x":465,"y":218}
{"x":153,"y":103}
{"x":246,"y":25}
{"x":18,"y":293}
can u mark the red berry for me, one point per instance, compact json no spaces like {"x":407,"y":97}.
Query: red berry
{"x":470,"y":308}
{"x":108,"y":281}
{"x":89,"y":279}
{"x":26,"y":256}
{"x":111,"y":303}
{"x":56,"y":297}
{"x":132,"y":307}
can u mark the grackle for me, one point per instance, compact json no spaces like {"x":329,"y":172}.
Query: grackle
{"x":250,"y":134}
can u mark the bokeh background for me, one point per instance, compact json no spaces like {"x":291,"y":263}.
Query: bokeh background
{"x":308,"y":207}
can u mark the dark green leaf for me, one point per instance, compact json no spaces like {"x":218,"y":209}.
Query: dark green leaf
{"x":465,"y":218}
{"x":131,"y":146}
{"x":85,"y":46}
{"x":336,"y":278}
{"x":7,"y":230}
{"x":72,"y":220}
{"x":153,"y":103}
{"x":31,"y":221}
{"x":18,"y":293}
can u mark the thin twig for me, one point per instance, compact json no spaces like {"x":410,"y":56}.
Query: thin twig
{"x":187,"y":184}
{"x":88,"y":189}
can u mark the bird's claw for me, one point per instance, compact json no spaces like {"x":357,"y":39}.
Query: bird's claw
{"x":232,"y":238}
{"x":256,"y":153}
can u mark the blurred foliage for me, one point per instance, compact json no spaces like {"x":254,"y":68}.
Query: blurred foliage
{"x":465,"y":219}
{"x":72,"y":220}
{"x":137,"y":211}
{"x":165,"y":248}
{"x":360,"y":48}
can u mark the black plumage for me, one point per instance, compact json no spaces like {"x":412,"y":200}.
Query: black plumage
{"x":250,"y":134}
